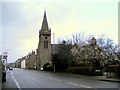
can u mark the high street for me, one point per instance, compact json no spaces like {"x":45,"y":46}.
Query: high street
{"x":23,"y":78}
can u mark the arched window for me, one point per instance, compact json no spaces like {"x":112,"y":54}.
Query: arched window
{"x":45,"y":44}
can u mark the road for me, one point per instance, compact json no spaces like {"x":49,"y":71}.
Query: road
{"x":41,"y":79}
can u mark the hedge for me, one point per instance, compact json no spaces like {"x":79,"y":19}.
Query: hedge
{"x":114,"y":69}
{"x":83,"y":64}
{"x":49,"y":68}
{"x":80,"y":70}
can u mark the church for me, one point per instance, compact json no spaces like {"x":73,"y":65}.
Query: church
{"x":44,"y":45}
{"x":36,"y":60}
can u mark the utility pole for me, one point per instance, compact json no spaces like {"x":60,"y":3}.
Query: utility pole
{"x":54,"y":50}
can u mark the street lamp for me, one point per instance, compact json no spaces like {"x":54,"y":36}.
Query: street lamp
{"x":54,"y":49}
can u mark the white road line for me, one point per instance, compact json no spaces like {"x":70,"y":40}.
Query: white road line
{"x":18,"y":86}
{"x":54,"y":79}
{"x":78,"y":85}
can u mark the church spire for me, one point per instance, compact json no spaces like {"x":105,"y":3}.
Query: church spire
{"x":44,"y":23}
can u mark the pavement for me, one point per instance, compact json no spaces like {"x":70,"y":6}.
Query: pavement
{"x":10,"y":82}
{"x":109,"y":79}
{"x":100,"y":78}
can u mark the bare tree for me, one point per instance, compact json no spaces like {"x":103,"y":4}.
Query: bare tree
{"x":110,"y":50}
{"x":116,"y":50}
{"x":78,"y":38}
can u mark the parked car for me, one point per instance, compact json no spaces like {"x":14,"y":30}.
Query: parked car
{"x":10,"y":68}
{"x":4,"y":76}
{"x":3,"y":73}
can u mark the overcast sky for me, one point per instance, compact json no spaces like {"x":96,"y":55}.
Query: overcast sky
{"x":21,"y":21}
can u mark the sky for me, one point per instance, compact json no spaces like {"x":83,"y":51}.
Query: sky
{"x":20,"y":21}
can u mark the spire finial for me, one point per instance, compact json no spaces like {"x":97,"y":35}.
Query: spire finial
{"x":44,"y":12}
{"x":44,"y":9}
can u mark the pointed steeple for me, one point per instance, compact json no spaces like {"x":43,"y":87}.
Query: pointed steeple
{"x":44,"y":28}
{"x":44,"y":23}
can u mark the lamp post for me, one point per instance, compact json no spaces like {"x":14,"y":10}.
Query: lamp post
{"x":54,"y":49}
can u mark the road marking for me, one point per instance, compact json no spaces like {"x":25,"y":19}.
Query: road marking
{"x":18,"y":86}
{"x":78,"y":85}
{"x":54,"y":79}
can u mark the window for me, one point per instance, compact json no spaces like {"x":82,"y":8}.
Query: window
{"x":45,"y":44}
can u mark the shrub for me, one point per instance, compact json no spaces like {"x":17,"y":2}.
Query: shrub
{"x":114,"y":69}
{"x":45,"y":65}
{"x":49,"y":67}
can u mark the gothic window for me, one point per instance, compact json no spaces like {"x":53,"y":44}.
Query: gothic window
{"x":45,"y":44}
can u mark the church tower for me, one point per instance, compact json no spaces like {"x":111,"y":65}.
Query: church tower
{"x":44,"y":45}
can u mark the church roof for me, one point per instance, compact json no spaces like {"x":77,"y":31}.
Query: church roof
{"x":44,"y":27}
